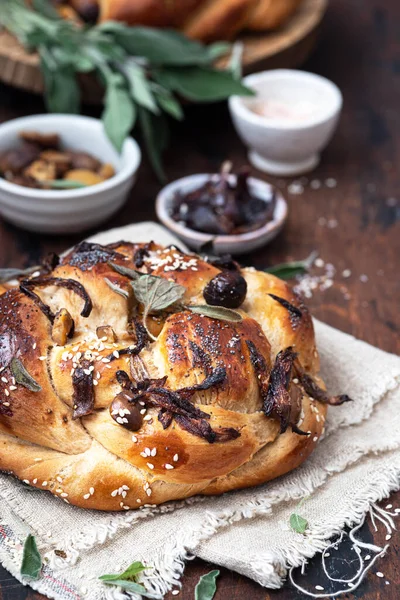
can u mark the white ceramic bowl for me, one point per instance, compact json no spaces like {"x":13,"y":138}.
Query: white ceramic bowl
{"x":73,"y":210}
{"x":277,"y":144}
{"x":231,"y":244}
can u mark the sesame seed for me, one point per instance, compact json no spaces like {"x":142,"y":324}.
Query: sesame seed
{"x":34,"y":480}
{"x":175,"y":592}
{"x":153,"y":452}
{"x":388,"y":506}
{"x":168,"y":466}
{"x":134,"y":438}
{"x":4,"y":380}
{"x":42,"y":357}
{"x":147,"y":451}
{"x":148,"y":492}
{"x":6,"y":404}
{"x":7,"y":393}
{"x":86,"y":496}
{"x":388,"y":537}
{"x":12,"y":388}
{"x":150,"y":465}
{"x":143,"y":454}
{"x":44,"y":483}
{"x":34,"y":346}
{"x":91,"y":491}
{"x":138,"y":500}
{"x":176,"y":458}
{"x":379,"y":574}
{"x":25,"y":480}
{"x":64,"y":495}
{"x":59,"y":479}
{"x":58,"y":490}
{"x":114,"y":493}
{"x":315,"y":439}
{"x":368,"y":557}
{"x":319,"y":587}
{"x":143,"y":411}
{"x":38,"y":459}
{"x":147,"y":418}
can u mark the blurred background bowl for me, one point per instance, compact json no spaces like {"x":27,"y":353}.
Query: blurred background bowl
{"x":71,"y":210}
{"x":231,"y":244}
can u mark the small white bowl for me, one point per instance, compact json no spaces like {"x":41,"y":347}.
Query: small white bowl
{"x":231,"y":244}
{"x":72,"y":210}
{"x":288,"y":145}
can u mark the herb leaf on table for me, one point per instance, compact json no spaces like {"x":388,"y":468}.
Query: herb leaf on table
{"x":290,"y":270}
{"x":127,"y":579}
{"x":207,"y":586}
{"x":31,"y":559}
{"x":145,"y":70}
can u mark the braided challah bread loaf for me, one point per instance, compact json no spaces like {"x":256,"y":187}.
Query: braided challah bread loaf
{"x":205,"y":20}
{"x":135,"y":374}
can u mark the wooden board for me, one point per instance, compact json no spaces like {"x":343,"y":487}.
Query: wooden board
{"x":287,"y":47}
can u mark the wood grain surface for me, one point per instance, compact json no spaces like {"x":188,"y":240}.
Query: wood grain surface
{"x":359,"y":50}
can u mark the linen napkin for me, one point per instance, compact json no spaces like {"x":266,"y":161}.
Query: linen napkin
{"x":355,"y":465}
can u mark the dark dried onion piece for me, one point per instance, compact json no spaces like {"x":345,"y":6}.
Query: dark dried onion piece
{"x":141,"y":341}
{"x":312,"y":389}
{"x":83,"y":397}
{"x":295,"y":313}
{"x":277,"y":402}
{"x":27,"y":286}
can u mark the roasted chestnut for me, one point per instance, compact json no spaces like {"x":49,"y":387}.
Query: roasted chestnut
{"x":125,"y":413}
{"x":228,"y":289}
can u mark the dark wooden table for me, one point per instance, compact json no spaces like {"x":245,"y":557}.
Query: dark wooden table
{"x":352,"y":225}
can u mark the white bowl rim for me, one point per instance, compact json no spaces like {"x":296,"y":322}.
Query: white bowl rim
{"x":120,"y":177}
{"x":199,"y":236}
{"x":237,"y":103}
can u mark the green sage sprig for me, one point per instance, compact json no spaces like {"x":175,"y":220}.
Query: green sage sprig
{"x":128,"y":580}
{"x":145,"y":71}
{"x":290,"y":270}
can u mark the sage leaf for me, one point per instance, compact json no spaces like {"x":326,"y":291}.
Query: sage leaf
{"x":156,"y":293}
{"x":290,"y":270}
{"x":62,"y":93}
{"x":152,"y":142}
{"x":298,"y":523}
{"x":22,"y":376}
{"x":130,"y":573}
{"x":31,"y":559}
{"x":168,"y":103}
{"x":201,"y":84}
{"x":158,"y":46}
{"x":10,"y":274}
{"x":207,"y":586}
{"x":139,"y":87}
{"x":216,"y":312}
{"x":63,"y":184}
{"x":218,"y":49}
{"x":119,"y":114}
{"x":126,"y":271}
{"x":115,"y":288}
{"x":127,"y":580}
{"x":45,"y":8}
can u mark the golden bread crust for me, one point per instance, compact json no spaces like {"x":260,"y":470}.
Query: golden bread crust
{"x":205,"y":20}
{"x":89,"y":458}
